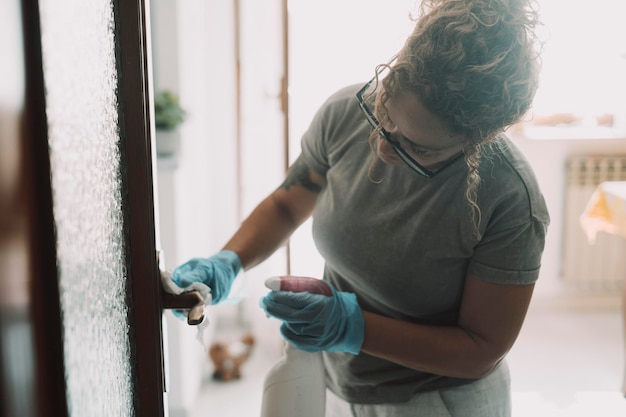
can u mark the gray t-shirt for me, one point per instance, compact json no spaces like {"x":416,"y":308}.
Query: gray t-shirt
{"x":404,"y":244}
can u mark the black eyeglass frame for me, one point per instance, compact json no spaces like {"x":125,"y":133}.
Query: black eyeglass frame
{"x":404,"y":155}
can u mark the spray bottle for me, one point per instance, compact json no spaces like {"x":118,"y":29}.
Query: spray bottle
{"x":296,"y":385}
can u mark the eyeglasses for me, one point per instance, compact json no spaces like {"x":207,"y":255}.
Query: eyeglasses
{"x":365,"y":92}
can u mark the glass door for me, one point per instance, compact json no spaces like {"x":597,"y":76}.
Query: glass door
{"x":81,"y":299}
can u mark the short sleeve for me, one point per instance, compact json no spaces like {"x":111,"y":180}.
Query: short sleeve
{"x":314,"y":149}
{"x":511,"y":256}
{"x":330,"y":129}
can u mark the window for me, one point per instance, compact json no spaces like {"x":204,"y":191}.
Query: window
{"x":582,"y":93}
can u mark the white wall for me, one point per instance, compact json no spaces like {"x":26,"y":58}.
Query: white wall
{"x":197,"y":188}
{"x":263,"y":166}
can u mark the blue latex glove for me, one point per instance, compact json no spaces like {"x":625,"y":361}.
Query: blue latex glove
{"x":315,"y":322}
{"x":217,"y":272}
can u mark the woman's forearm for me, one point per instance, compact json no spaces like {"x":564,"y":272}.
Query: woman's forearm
{"x":489,"y":321}
{"x":442,"y":350}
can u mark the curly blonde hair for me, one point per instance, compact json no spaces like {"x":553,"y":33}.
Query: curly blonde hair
{"x":474,"y":64}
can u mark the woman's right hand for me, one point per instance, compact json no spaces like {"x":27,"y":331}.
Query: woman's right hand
{"x":217,"y":272}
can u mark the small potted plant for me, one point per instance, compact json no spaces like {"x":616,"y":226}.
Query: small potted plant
{"x":168,"y":115}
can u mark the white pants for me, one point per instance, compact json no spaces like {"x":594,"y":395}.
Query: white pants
{"x":488,"y":397}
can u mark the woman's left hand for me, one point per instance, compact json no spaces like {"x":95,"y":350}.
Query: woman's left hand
{"x":315,"y":322}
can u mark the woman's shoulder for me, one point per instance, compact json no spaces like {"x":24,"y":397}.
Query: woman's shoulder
{"x":345,"y":93}
{"x":509,"y":177}
{"x":340,"y":108}
{"x":343,"y":98}
{"x":501,"y":155}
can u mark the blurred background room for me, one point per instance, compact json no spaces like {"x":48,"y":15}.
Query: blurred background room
{"x":251,"y":75}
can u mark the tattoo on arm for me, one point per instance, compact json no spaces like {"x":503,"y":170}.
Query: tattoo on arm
{"x":300,"y":174}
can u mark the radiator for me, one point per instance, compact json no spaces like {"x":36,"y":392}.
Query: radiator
{"x":591,"y":266}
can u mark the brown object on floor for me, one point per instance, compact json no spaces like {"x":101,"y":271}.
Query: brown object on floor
{"x":227,"y":358}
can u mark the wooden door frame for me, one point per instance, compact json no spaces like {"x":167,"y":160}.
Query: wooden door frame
{"x":284,"y":101}
{"x":44,"y":301}
{"x":135,"y":132}
{"x":32,"y":214}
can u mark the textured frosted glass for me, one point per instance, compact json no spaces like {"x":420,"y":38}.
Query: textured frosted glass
{"x":81,"y":82}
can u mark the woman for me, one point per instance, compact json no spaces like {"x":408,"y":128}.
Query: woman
{"x":433,"y":254}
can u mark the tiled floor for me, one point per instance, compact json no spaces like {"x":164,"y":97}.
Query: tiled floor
{"x":567,"y":362}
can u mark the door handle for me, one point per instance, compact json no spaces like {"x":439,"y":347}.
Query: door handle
{"x":188,"y":300}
